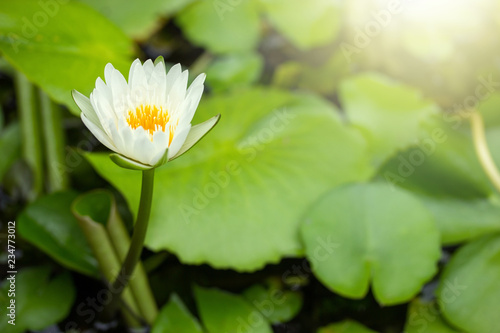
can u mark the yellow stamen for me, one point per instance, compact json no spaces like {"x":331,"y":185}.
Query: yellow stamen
{"x":151,"y":118}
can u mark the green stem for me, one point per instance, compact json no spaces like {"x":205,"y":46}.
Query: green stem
{"x":140,"y":228}
{"x":54,"y":143}
{"x":32,"y":148}
{"x":482,"y":151}
{"x":139,"y":284}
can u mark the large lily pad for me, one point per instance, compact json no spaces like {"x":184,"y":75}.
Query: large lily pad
{"x":235,"y":200}
{"x":137,"y":19}
{"x":370,"y":232}
{"x":61,"y":47}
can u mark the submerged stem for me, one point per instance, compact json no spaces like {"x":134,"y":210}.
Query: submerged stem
{"x":482,"y":150}
{"x":54,"y":140}
{"x":32,"y":147}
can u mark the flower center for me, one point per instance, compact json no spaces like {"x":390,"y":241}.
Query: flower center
{"x":149,"y":117}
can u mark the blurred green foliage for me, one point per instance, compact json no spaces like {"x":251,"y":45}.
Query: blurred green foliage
{"x":344,"y":136}
{"x":41,"y":299}
{"x":49,"y":224}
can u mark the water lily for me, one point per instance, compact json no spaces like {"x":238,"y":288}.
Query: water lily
{"x":147,"y":120}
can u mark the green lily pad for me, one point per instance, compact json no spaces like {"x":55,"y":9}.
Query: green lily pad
{"x":48,"y":224}
{"x":277,"y":305}
{"x":371,"y":232}
{"x":234,"y":70}
{"x":223,"y":312}
{"x":61,"y":47}
{"x":307,"y":24}
{"x":425,"y":317}
{"x":461,"y":220}
{"x":175,"y":317}
{"x":40,"y":299}
{"x":221,"y":26}
{"x":443,"y":170}
{"x":442,"y":164}
{"x":388,"y":113}
{"x":136,"y":19}
{"x":469,"y":293}
{"x":224,"y":202}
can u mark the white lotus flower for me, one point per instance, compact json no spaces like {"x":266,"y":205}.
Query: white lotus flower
{"x":146,"y":121}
